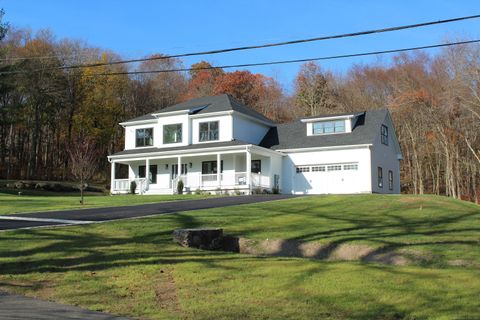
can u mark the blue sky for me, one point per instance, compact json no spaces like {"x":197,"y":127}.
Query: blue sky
{"x":141,"y":27}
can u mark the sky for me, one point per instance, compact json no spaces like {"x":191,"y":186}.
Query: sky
{"x":138,"y":28}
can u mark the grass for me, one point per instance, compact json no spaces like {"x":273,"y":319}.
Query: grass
{"x":133,"y":268}
{"x":11,"y":204}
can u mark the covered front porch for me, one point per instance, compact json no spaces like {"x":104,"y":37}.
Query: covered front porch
{"x":234,"y":171}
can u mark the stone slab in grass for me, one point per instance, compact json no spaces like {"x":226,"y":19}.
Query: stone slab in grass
{"x":201,"y":238}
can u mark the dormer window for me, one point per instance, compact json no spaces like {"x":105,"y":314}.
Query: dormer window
{"x":384,"y":134}
{"x":172,"y":133}
{"x":208,"y":131}
{"x":326,"y":127}
{"x":144,"y":137}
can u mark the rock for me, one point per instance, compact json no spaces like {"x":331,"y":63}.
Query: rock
{"x":201,"y":238}
{"x":19,"y":185}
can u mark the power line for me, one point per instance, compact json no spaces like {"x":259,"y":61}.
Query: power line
{"x":291,"y":61}
{"x":268,"y":45}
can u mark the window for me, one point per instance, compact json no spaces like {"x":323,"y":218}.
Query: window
{"x":256,"y":166}
{"x":324,"y":127}
{"x":318,"y":169}
{"x":380,"y":177}
{"x":353,"y":166}
{"x":208,"y":131}
{"x":390,"y":179}
{"x":334,"y":168}
{"x":384,"y":134}
{"x":175,"y":170}
{"x":152,"y":176}
{"x":210,"y":167}
{"x":303,"y":169}
{"x":172,"y":133}
{"x":144,"y":137}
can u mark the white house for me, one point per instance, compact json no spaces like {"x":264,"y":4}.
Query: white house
{"x":217,"y":143}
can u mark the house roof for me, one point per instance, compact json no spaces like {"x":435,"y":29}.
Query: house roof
{"x":223,"y":102}
{"x":293,"y":135}
{"x":144,"y":151}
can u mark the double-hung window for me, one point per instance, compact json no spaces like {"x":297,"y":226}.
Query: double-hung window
{"x":144,"y":137}
{"x":390,"y":179}
{"x":384,"y":134}
{"x":380,"y":177}
{"x":172,"y":133}
{"x":324,"y":127}
{"x":208,"y":131}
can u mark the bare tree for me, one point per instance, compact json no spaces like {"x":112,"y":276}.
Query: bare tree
{"x":83,"y":161}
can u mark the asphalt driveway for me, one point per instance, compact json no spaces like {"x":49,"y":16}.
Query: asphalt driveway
{"x":93,"y":215}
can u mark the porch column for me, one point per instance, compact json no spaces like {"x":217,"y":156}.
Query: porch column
{"x":112,"y":177}
{"x":179,"y":171}
{"x":249,"y":170}
{"x":219,"y":169}
{"x":147,"y":175}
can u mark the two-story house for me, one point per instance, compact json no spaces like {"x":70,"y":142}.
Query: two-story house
{"x":217,"y":143}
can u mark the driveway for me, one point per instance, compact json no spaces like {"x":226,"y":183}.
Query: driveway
{"x":95,"y":215}
{"x":19,"y":307}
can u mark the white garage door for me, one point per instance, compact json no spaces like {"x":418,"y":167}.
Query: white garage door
{"x":326,"y":178}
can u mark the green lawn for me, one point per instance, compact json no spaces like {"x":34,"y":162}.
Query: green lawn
{"x":11,"y":204}
{"x":132,"y":267}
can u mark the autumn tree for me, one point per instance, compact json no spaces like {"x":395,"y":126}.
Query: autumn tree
{"x":202,"y":80}
{"x":313,"y":94}
{"x":83,"y":156}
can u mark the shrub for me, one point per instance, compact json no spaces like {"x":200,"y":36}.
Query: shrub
{"x":198,"y":191}
{"x":133,"y":187}
{"x":275,"y":190}
{"x":257,"y":190}
{"x":180,"y":187}
{"x":236,"y":192}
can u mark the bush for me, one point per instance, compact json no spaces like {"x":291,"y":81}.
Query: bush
{"x":198,"y":191}
{"x":236,"y":192}
{"x":133,"y":187}
{"x":180,"y":187}
{"x":275,"y":190}
{"x":257,"y":190}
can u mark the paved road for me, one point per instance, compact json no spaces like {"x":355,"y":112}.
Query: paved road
{"x":18,"y":307}
{"x":82,"y":216}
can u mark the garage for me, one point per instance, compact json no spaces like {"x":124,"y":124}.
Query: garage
{"x":326,"y":178}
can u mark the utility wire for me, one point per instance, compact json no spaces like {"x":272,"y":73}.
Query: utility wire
{"x":276,"y":44}
{"x":290,"y":61}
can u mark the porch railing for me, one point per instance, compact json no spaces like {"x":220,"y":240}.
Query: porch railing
{"x":123,"y":185}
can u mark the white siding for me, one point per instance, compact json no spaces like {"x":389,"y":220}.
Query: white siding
{"x":248,"y":130}
{"x":130,"y":134}
{"x":224,"y":125}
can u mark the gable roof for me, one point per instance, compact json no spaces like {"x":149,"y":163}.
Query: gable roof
{"x":223,"y":102}
{"x":293,"y":135}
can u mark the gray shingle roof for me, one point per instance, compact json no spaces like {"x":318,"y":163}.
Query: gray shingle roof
{"x":223,"y":102}
{"x":143,"y":151}
{"x":293,"y":135}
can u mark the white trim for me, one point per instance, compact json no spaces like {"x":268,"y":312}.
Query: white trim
{"x":138,"y":122}
{"x":170,"y":113}
{"x":348,"y":116}
{"x":357,"y":146}
{"x":211,"y":114}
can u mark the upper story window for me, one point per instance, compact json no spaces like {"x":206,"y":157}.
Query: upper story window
{"x":324,"y":127}
{"x":172,"y":133}
{"x":384,"y":134}
{"x":208,"y":131}
{"x":144,"y":137}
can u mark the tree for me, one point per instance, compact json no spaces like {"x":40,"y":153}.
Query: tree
{"x":83,"y":161}
{"x":202,"y":81}
{"x":312,"y":92}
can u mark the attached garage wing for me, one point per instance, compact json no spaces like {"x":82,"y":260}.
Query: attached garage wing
{"x":336,"y":178}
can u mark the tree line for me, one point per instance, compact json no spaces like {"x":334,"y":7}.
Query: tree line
{"x":434,"y":100}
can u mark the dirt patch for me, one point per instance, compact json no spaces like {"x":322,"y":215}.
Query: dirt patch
{"x":166,"y":291}
{"x":42,"y":290}
{"x":331,"y":252}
